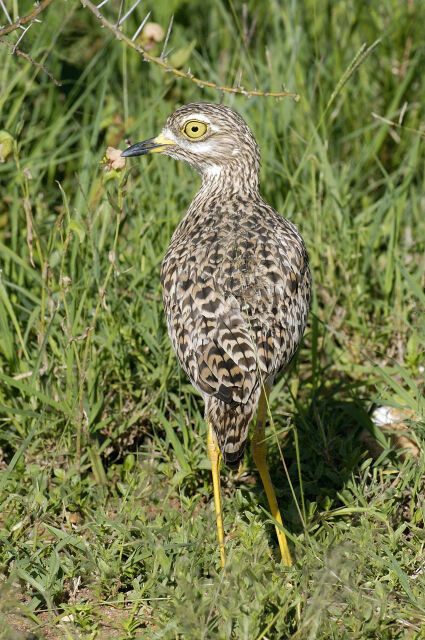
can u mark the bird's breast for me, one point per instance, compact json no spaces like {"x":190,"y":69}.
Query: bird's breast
{"x":252,"y":257}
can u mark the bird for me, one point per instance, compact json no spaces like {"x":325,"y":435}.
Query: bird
{"x":236,"y":287}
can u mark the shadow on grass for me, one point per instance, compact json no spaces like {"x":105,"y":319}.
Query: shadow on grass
{"x":323,"y":451}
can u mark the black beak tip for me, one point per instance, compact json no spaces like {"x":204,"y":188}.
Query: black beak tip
{"x":140,"y":148}
{"x":128,"y":153}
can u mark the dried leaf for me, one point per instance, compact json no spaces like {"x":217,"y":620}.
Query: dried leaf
{"x":115,"y":159}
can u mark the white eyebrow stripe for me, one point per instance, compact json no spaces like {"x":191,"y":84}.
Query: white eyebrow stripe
{"x":198,"y":116}
{"x":202,"y":118}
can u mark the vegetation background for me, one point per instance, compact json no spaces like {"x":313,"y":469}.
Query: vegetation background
{"x":106,"y":520}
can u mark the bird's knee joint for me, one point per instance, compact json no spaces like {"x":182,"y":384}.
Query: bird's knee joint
{"x":213,"y":452}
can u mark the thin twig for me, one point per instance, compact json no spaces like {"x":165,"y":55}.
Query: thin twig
{"x":18,"y":52}
{"x":28,"y":18}
{"x":178,"y":72}
{"x":398,"y":124}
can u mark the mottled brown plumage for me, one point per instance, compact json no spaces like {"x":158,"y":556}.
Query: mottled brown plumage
{"x":236,"y":280}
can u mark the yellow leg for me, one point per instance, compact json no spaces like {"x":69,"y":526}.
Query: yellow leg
{"x":215,"y":459}
{"x":259,"y":448}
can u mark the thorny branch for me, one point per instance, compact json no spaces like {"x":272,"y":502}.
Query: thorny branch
{"x":18,"y":52}
{"x":28,"y":18}
{"x":162,"y":62}
{"x":13,"y":26}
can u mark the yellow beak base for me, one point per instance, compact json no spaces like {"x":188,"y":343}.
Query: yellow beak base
{"x":152,"y":145}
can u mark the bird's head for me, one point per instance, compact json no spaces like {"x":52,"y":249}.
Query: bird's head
{"x":212,"y":138}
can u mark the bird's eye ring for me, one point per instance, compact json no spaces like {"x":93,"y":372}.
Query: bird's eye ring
{"x":194,"y":129}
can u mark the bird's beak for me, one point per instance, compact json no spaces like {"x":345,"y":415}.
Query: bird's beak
{"x":153,"y":145}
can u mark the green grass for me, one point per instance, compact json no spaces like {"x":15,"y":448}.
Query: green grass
{"x":106,"y":517}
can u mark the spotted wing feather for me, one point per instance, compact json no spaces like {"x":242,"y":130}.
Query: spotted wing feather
{"x":236,"y":305}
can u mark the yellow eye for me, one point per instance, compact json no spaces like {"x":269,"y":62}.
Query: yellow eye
{"x":194,"y":129}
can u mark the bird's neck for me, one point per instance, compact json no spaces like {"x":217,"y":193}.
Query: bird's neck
{"x":225,"y":192}
{"x":230,"y":180}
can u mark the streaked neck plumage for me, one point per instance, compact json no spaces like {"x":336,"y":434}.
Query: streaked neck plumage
{"x":239,"y":177}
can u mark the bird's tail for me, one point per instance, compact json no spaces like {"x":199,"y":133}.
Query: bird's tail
{"x":230,"y":424}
